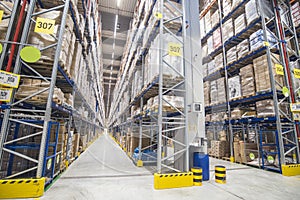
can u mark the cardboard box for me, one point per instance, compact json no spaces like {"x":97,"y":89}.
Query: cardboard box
{"x":234,"y":87}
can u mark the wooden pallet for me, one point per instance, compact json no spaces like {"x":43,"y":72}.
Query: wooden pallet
{"x":248,"y":96}
{"x":236,"y":98}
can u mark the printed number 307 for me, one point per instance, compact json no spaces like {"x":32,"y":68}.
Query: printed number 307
{"x":44,"y":25}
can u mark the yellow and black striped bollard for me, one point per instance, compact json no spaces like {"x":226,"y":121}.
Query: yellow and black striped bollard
{"x":197,"y":176}
{"x":220,"y":174}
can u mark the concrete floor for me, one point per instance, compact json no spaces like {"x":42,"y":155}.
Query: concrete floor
{"x":105,"y":172}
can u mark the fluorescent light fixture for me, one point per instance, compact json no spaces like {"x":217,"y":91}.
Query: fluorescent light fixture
{"x":116,"y":24}
{"x":118,"y":3}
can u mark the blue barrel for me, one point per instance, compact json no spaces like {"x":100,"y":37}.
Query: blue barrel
{"x":202,"y":160}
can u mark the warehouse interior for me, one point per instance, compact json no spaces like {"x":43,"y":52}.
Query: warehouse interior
{"x":172,"y":99}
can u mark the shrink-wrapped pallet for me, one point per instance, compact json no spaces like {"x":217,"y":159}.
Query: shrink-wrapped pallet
{"x":213,"y":92}
{"x":211,"y":67}
{"x":239,"y":23}
{"x":215,"y":19}
{"x":206,"y":93}
{"x":205,"y":70}
{"x":234,"y":85}
{"x":257,"y":39}
{"x":204,"y":50}
{"x":242,"y":48}
{"x":4,"y":23}
{"x":207,"y":22}
{"x":221,"y":90}
{"x":226,"y":7}
{"x":296,"y":13}
{"x":248,"y":80}
{"x":217,"y":40}
{"x":231,"y":55}
{"x":265,"y":108}
{"x":262,"y":77}
{"x":252,"y":10}
{"x":210,"y":45}
{"x":174,"y":68}
{"x":218,"y":61}
{"x":202,"y":27}
{"x":228,"y":30}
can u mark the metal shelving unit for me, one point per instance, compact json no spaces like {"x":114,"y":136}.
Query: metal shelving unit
{"x":35,"y":146}
{"x":166,"y":129}
{"x":283,"y":127}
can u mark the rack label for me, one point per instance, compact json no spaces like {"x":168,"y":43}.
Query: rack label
{"x":44,"y":25}
{"x":295,"y":107}
{"x":279,"y":69}
{"x":296,"y":116}
{"x":5,"y":94}
{"x":174,"y":49}
{"x":266,"y":44}
{"x":9,"y":79}
{"x":1,"y":15}
{"x":297,"y":73}
{"x":158,"y":15}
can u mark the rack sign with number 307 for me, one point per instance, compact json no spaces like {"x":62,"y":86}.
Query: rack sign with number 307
{"x":44,"y":25}
{"x":174,"y":49}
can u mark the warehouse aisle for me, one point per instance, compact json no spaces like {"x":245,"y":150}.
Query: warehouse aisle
{"x":105,"y":172}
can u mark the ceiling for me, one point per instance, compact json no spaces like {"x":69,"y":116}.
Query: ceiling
{"x":113,"y":41}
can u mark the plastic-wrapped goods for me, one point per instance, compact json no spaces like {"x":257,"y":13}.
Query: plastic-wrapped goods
{"x":296,"y":81}
{"x":219,"y":61}
{"x":228,"y":29}
{"x":296,"y":13}
{"x":217,"y":38}
{"x":262,"y":77}
{"x":265,"y":108}
{"x":257,"y":39}
{"x":4,"y":22}
{"x":174,"y":61}
{"x":242,"y":48}
{"x":204,"y":50}
{"x":239,"y":23}
{"x":226,"y":7}
{"x":252,"y":11}
{"x":202,"y":28}
{"x":231,"y":55}
{"x":234,"y":84}
{"x":206,"y":93}
{"x":248,"y":81}
{"x":205,"y":69}
{"x":235,"y":3}
{"x":219,"y":116}
{"x":210,"y":45}
{"x":215,"y":18}
{"x":221,"y":90}
{"x":211,"y":67}
{"x":213,"y":92}
{"x":207,"y":22}
{"x":237,"y":113}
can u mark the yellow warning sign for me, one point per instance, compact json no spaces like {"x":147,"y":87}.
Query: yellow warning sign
{"x":44,"y":25}
{"x":158,"y":15}
{"x":279,"y":69}
{"x":1,"y":15}
{"x":297,"y":73}
{"x":174,"y":49}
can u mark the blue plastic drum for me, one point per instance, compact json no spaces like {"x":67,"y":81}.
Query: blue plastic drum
{"x":202,"y":160}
